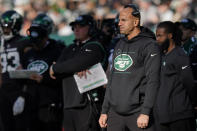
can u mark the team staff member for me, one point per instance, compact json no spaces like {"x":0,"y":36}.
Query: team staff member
{"x":44,"y":93}
{"x":189,"y":28}
{"x":134,"y":79}
{"x":84,"y":53}
{"x":174,"y":109}
{"x":189,"y":43}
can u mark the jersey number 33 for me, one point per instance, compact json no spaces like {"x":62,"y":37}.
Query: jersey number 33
{"x":9,"y":61}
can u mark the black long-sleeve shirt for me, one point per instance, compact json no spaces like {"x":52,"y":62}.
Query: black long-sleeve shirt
{"x":74,"y":59}
{"x":175,"y":93}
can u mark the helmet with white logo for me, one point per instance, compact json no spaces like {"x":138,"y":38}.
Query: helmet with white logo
{"x":43,"y":22}
{"x":13,"y":20}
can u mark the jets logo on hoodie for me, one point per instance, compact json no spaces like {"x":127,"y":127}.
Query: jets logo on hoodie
{"x":122,"y":62}
{"x":38,"y":65}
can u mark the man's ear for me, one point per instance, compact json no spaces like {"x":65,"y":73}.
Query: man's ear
{"x":137,"y":22}
{"x":170,"y":36}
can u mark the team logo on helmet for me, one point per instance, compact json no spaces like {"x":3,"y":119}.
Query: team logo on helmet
{"x":122,"y":62}
{"x":39,"y":65}
{"x":44,"y":22}
{"x":15,"y":16}
{"x":12,"y":19}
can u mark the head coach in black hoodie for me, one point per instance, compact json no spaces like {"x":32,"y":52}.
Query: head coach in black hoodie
{"x":134,"y":78}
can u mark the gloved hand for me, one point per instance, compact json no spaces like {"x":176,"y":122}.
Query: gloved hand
{"x":18,"y":106}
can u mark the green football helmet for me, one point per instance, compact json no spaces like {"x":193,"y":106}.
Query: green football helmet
{"x":43,"y":22}
{"x":11,"y":19}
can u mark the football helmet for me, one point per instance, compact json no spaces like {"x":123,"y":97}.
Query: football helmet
{"x":44,"y":22}
{"x":13,"y":20}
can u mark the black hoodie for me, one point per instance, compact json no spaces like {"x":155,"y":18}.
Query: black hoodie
{"x":134,"y":79}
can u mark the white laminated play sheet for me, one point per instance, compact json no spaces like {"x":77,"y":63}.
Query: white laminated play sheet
{"x":21,"y":73}
{"x":94,"y":80}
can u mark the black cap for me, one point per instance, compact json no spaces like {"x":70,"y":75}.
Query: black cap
{"x":83,"y":20}
{"x":189,"y":24}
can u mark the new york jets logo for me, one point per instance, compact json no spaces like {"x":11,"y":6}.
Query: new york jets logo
{"x":122,"y":62}
{"x":38,"y":65}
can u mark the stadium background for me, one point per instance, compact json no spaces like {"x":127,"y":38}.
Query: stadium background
{"x":64,"y":11}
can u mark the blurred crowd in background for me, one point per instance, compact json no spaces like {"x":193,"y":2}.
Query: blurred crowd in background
{"x":35,"y":102}
{"x":64,"y":11}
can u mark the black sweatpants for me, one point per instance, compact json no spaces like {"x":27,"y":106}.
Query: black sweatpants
{"x":80,"y":119}
{"x":179,"y":125}
{"x":1,"y":124}
{"x":6,"y":111}
{"x":118,"y":122}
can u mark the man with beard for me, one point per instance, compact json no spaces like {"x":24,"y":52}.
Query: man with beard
{"x":174,"y":111}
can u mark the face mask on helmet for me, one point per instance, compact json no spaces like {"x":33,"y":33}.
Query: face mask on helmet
{"x":7,"y":32}
{"x":8,"y":37}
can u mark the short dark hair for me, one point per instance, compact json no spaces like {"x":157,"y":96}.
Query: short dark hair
{"x":172,"y":28}
{"x":135,"y":8}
